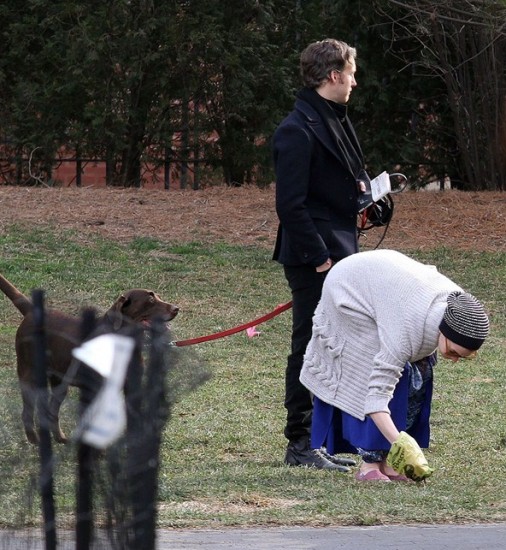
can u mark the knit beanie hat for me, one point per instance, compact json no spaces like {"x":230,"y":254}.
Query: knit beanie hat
{"x":465,"y":322}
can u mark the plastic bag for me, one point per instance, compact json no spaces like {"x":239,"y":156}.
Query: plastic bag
{"x":406,"y":458}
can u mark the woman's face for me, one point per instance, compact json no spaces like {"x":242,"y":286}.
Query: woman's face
{"x":452,"y":351}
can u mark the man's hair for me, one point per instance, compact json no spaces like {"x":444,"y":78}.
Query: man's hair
{"x":321,"y":57}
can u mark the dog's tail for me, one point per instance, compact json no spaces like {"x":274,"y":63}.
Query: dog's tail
{"x":23,"y":304}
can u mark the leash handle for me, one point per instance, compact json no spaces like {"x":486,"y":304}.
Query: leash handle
{"x":191,"y":341}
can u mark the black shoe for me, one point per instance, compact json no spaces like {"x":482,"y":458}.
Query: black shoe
{"x":299,"y":453}
{"x":337,"y":459}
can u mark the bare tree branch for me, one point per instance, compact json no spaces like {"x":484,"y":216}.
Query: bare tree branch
{"x":32,"y":175}
{"x":464,"y":44}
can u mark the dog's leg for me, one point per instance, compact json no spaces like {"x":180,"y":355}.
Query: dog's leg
{"x":59,"y":391}
{"x":27,"y":416}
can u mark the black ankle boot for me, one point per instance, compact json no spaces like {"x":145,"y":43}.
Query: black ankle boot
{"x":299,"y":453}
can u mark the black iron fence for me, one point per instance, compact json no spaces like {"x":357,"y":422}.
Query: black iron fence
{"x":115,"y":473}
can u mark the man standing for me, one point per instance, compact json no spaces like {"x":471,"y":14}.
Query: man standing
{"x":318,"y":163}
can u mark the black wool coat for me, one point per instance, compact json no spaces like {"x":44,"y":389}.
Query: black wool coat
{"x":316,"y":189}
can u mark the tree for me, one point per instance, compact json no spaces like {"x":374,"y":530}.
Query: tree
{"x":231,"y":53}
{"x":39,"y":98}
{"x":130,"y":61}
{"x":429,"y":100}
{"x":136,"y":81}
{"x":461,"y":45}
{"x":90,"y":76}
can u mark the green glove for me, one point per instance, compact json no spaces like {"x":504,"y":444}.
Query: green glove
{"x":406,"y":458}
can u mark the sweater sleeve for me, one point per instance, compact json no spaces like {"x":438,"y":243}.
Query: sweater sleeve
{"x":386,"y":372}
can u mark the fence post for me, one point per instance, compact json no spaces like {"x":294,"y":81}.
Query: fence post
{"x":89,"y":382}
{"x":41,"y":402}
{"x":156,"y":414}
{"x":135,"y":445}
{"x":79,"y":167}
{"x":166,"y":167}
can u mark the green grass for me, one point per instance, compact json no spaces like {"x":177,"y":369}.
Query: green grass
{"x":223,"y":447}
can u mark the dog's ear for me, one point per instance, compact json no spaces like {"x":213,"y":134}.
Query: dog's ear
{"x":114,"y":313}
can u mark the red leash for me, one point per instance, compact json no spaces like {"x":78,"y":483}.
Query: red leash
{"x":276,"y":311}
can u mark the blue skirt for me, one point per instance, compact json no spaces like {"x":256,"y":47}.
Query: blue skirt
{"x":340,"y":432}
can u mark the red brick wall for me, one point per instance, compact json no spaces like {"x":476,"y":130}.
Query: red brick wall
{"x":92,"y":174}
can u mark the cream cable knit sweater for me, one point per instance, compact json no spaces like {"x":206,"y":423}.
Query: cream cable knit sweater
{"x":378,"y":310}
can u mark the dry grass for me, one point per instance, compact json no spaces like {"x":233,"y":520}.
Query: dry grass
{"x":422,"y":220}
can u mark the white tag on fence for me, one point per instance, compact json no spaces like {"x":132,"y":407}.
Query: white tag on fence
{"x":105,"y":419}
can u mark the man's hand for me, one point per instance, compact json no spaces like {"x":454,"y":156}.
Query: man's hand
{"x":324,"y":267}
{"x":406,"y":458}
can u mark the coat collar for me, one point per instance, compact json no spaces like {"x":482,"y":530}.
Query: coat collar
{"x":317,"y":126}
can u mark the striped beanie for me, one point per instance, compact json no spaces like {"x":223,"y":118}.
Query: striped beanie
{"x":465,"y":322}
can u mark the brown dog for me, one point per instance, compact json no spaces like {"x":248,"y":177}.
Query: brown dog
{"x":63,"y":333}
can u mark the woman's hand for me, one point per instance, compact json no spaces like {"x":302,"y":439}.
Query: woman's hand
{"x":406,"y":458}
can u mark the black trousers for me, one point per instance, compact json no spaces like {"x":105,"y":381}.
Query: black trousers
{"x":306,"y":286}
